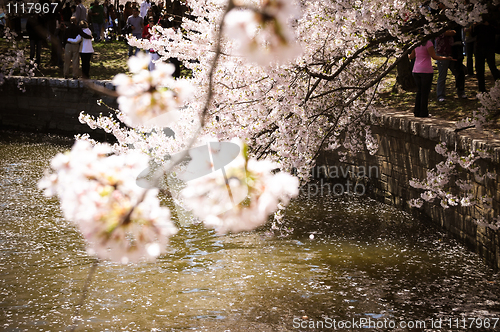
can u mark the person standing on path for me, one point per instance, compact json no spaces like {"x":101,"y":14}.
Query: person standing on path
{"x":146,"y":34}
{"x":36,"y":34}
{"x":470,"y":44}
{"x":449,"y":44}
{"x":485,"y":52}
{"x":86,"y":49}
{"x":145,"y":5}
{"x":423,"y":73}
{"x":97,"y":14}
{"x":71,"y":50}
{"x":136,"y":23}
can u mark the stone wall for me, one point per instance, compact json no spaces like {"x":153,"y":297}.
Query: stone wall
{"x":52,"y":105}
{"x":406,"y":151}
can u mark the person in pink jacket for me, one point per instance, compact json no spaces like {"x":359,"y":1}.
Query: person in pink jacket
{"x":423,"y":73}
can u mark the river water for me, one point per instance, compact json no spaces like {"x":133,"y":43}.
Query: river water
{"x":339,"y":260}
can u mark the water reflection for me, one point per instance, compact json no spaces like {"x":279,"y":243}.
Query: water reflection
{"x":366,"y":260}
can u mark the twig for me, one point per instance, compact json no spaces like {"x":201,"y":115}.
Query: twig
{"x":84,"y":293}
{"x":464,"y":128}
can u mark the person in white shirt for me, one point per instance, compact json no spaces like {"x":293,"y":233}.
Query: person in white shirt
{"x":145,"y":5}
{"x":86,"y":49}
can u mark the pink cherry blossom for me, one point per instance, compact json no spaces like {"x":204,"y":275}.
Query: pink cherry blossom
{"x":119,"y":220}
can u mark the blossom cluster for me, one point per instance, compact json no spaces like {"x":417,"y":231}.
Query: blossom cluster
{"x":264,"y":35}
{"x":13,"y":60}
{"x":241,"y":196}
{"x":150,"y":97}
{"x":156,"y":142}
{"x":490,"y":103}
{"x":98,"y":193}
{"x":439,"y":181}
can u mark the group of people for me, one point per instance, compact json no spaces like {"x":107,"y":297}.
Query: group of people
{"x":65,"y":29}
{"x":144,"y":17}
{"x":56,"y":28}
{"x":477,"y":40}
{"x":71,"y":41}
{"x":101,"y":18}
{"x":78,"y":46}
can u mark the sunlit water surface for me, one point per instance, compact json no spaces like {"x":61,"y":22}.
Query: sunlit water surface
{"x":366,"y":260}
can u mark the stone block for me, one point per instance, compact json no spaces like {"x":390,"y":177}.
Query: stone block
{"x":73,"y":84}
{"x":383,"y":186}
{"x":99,"y":83}
{"x":403,"y":178}
{"x":58,"y":83}
{"x":398,"y":168}
{"x":360,"y":158}
{"x":373,"y":118}
{"x":384,"y":178}
{"x":109,"y":85}
{"x":404,"y":125}
{"x":425,"y":130}
{"x":384,"y":148}
{"x":423,"y":156}
{"x":386,"y":169}
{"x":392,"y":185}
{"x":399,"y":145}
{"x":434,"y":133}
{"x":479,"y":144}
{"x":42,"y":81}
{"x":395,"y":123}
{"x":463,"y":143}
{"x":25,"y":81}
{"x":397,"y":134}
{"x":448,"y":136}
{"x":379,"y":159}
{"x":414,"y":128}
{"x":495,"y":152}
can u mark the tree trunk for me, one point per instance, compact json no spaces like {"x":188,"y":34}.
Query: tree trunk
{"x":404,"y":78}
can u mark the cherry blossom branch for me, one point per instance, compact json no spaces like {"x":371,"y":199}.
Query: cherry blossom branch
{"x":341,"y":68}
{"x":179,"y":158}
{"x":213,"y":66}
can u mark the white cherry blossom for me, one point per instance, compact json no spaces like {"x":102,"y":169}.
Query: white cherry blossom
{"x":150,"y":98}
{"x":241,"y":198}
{"x":98,"y":193}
